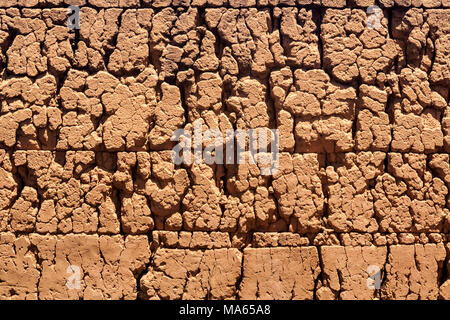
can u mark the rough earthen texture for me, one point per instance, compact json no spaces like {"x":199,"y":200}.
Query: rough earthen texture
{"x":87,"y":177}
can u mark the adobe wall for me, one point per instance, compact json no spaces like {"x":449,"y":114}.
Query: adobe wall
{"x":360,"y":101}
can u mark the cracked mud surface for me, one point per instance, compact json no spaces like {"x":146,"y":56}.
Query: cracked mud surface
{"x":87,"y":178}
